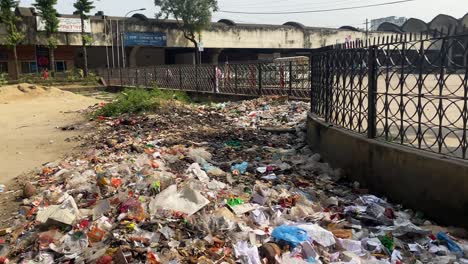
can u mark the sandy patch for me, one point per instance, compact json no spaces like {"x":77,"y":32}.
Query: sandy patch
{"x":30,"y":122}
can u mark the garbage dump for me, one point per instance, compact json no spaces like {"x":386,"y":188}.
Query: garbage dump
{"x":224,"y":183}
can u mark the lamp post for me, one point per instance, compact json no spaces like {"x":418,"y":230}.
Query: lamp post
{"x":123,"y":34}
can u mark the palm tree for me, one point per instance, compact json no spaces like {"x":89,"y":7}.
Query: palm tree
{"x":49,"y":14}
{"x":83,"y":7}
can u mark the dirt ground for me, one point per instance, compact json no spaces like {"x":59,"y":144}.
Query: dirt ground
{"x":31,"y":126}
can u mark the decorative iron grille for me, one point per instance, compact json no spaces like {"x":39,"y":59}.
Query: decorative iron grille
{"x":406,"y":89}
{"x":409,"y":89}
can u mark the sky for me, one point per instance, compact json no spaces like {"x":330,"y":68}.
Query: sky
{"x":422,"y":9}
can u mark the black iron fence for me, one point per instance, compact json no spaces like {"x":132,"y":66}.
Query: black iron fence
{"x":407,"y":89}
{"x":288,"y":78}
{"x":411,"y":90}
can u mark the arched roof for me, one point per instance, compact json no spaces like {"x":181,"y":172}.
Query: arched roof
{"x":294,"y":24}
{"x":390,"y":27}
{"x":414,"y":25}
{"x":464,"y":21}
{"x":227,"y":22}
{"x":351,"y":28}
{"x":442,"y":22}
{"x":140,"y":17}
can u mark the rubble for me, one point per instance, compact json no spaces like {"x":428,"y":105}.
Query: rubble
{"x":226,"y":183}
{"x":29,"y":190}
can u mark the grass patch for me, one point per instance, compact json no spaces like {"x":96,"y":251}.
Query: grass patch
{"x":133,"y":101}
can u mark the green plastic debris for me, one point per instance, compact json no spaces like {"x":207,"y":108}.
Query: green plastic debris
{"x":235,"y":144}
{"x":157,"y":185}
{"x":235,"y":201}
{"x":387,"y":242}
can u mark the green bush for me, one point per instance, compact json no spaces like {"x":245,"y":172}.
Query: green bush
{"x":3,"y":78}
{"x":134,"y":101}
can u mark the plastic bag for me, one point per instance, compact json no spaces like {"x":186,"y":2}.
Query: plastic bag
{"x":195,"y":171}
{"x":241,"y":168}
{"x":452,"y":246}
{"x":248,"y":255}
{"x":199,"y":155}
{"x":235,"y":201}
{"x":291,"y":234}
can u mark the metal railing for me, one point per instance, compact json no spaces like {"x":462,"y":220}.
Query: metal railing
{"x":290,"y":78}
{"x":407,"y":89}
{"x":411,"y":90}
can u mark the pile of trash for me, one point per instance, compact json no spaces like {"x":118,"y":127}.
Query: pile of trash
{"x":226,"y":183}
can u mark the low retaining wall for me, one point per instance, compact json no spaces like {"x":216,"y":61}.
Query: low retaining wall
{"x":430,"y":183}
{"x":201,"y":97}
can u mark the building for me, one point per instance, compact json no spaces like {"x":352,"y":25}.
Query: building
{"x":140,"y":41}
{"x":399,"y":21}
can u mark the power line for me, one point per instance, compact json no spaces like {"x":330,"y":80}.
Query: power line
{"x":314,"y":11}
{"x":283,"y":5}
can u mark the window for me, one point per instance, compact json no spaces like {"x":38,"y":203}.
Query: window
{"x":29,"y":67}
{"x":60,"y":66}
{"x":3,"y":55}
{"x":3,"y":67}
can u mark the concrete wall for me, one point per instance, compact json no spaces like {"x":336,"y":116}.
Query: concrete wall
{"x":430,"y":183}
{"x":185,"y":58}
{"x":218,"y":36}
{"x":141,"y":56}
{"x":252,"y":36}
{"x":96,"y":57}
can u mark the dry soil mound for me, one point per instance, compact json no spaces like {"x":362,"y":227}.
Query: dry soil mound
{"x":25,"y":91}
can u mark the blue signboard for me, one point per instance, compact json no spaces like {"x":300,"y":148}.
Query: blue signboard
{"x":153,"y":39}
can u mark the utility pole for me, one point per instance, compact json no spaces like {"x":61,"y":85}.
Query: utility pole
{"x":367,"y":28}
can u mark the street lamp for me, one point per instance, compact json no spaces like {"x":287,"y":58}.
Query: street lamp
{"x":123,"y":33}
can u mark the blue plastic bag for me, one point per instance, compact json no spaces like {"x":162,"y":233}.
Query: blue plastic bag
{"x":291,"y":234}
{"x":242,"y":168}
{"x":452,"y":246}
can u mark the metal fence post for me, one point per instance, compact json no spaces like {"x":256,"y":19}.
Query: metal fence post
{"x":236,"y":91}
{"x":290,"y":78}
{"x":146,"y":77}
{"x":215,"y":80}
{"x":120,"y":73}
{"x":197,"y":86}
{"x":327,"y":86}
{"x":156,"y":77}
{"x":260,"y":79}
{"x":372,"y":91}
{"x":180,"y":78}
{"x":310,"y":83}
{"x":136,"y":77}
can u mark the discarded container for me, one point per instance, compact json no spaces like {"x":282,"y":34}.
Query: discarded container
{"x":96,"y":234}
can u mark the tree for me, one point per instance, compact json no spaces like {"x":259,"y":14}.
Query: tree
{"x":192,"y":16}
{"x":14,"y":35}
{"x":83,"y":7}
{"x":49,"y":14}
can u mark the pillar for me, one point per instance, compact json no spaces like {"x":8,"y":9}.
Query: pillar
{"x":132,"y":58}
{"x":214,"y":56}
